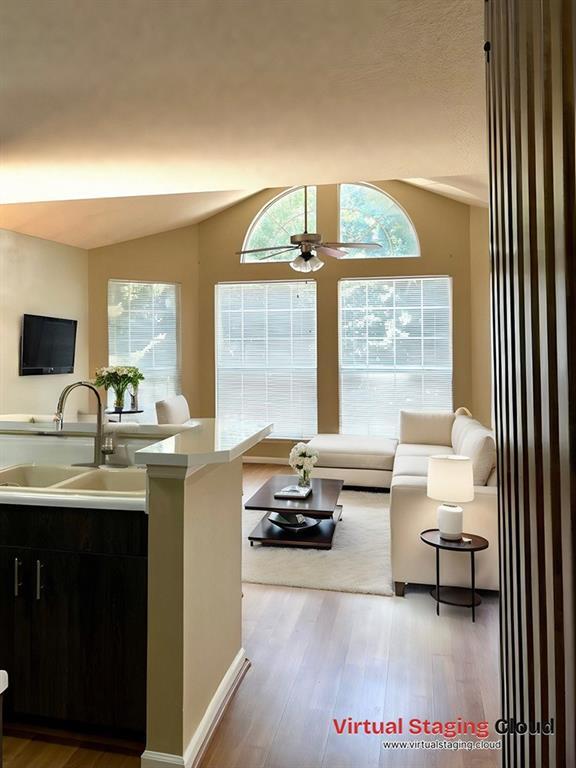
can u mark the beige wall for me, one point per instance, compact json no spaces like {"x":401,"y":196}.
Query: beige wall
{"x":40,"y":277}
{"x":170,"y":257}
{"x":453,"y":241}
{"x":443,"y":229}
{"x":480,"y":329}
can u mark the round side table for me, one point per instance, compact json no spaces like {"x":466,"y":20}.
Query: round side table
{"x":455,"y":595}
{"x":121,"y":413}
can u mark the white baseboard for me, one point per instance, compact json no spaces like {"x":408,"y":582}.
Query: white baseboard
{"x":212,"y":716}
{"x":151,"y":759}
{"x":263,"y":460}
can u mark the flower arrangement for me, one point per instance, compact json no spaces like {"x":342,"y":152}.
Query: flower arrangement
{"x":302,"y":459}
{"x":118,"y":378}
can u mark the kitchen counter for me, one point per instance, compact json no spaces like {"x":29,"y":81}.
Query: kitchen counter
{"x":175,"y":574}
{"x":45,"y":498}
{"x":88,"y":429}
{"x":213,"y":441}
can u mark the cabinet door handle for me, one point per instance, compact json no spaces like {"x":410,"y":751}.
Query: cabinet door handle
{"x":39,"y":585}
{"x":17,"y":582}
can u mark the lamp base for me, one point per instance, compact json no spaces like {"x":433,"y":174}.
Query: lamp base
{"x":450,"y":523}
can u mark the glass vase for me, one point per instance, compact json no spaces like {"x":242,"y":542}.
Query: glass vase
{"x":119,"y":401}
{"x":304,"y":478}
{"x":134,"y":400}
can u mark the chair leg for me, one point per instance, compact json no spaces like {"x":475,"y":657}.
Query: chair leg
{"x":399,"y":588}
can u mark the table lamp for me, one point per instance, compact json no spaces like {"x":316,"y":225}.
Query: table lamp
{"x":451,"y":481}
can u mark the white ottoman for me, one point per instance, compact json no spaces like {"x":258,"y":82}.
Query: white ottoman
{"x":355,"y":459}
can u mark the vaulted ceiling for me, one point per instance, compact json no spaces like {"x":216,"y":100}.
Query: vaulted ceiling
{"x":121,"y":98}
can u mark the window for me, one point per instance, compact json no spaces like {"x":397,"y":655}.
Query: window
{"x":143,"y":330}
{"x":266,"y":355}
{"x":369,"y":215}
{"x":395,"y":351}
{"x":280,"y":218}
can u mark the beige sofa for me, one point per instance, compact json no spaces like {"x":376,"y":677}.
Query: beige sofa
{"x":411,"y":511}
{"x":356,"y":459}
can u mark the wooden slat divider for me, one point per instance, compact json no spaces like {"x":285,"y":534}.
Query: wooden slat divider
{"x":531,"y":103}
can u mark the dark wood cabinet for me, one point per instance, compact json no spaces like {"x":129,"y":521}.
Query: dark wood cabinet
{"x":73,"y":635}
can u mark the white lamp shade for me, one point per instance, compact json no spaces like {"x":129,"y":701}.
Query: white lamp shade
{"x":450,"y":479}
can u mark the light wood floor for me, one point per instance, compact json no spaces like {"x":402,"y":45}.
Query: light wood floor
{"x":322,"y":655}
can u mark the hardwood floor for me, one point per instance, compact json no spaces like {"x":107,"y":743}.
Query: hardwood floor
{"x":322,"y":655}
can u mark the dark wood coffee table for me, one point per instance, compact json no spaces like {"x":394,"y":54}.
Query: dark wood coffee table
{"x":320,"y":512}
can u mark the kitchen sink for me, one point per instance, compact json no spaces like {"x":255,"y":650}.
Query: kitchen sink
{"x":38,"y":475}
{"x":107,"y":480}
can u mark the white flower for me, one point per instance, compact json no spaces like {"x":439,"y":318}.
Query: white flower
{"x":302,"y":458}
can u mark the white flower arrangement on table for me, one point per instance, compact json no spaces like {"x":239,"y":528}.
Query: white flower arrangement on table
{"x":302,"y":459}
{"x":118,"y":378}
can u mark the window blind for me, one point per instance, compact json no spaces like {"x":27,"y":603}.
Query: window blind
{"x":395,"y":351}
{"x":266,"y":355}
{"x":144,"y":330}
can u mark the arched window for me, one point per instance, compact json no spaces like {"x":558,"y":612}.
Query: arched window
{"x":281,"y":217}
{"x":369,"y":215}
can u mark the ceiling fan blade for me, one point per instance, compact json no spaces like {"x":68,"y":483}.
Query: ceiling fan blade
{"x":264,"y":250}
{"x":323,"y":250}
{"x":353,"y":245}
{"x":271,"y":255}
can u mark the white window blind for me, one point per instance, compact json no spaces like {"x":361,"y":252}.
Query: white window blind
{"x":143,"y":330}
{"x":266,"y":354}
{"x":395,"y":351}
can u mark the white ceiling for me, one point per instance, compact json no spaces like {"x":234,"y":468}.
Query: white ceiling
{"x":472,"y":189}
{"x":116,"y":98}
{"x":102,"y":221}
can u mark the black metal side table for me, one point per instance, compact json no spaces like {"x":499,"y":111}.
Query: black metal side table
{"x":121,"y":413}
{"x":459,"y":596}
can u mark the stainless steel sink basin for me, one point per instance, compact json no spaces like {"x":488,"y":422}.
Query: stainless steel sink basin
{"x":107,"y":480}
{"x":38,"y":475}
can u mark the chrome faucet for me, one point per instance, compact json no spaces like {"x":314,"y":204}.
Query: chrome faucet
{"x":101,"y":449}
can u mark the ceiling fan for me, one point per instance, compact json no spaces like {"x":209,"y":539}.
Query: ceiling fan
{"x":310,"y":245}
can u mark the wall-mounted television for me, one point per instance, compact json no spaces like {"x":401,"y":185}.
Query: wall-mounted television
{"x":47,"y":345}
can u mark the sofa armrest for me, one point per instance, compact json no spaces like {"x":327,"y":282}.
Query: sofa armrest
{"x":411,"y":512}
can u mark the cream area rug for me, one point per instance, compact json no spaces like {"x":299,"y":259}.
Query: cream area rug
{"x":359,"y":560}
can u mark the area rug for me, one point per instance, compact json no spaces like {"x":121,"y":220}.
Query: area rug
{"x":359,"y":560}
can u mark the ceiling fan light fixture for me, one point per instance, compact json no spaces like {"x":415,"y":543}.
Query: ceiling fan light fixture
{"x":315,"y":263}
{"x":300,"y":264}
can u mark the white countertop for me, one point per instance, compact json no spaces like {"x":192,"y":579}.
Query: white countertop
{"x":3,"y":680}
{"x":78,"y":500}
{"x":88,"y":429}
{"x":214,"y":441}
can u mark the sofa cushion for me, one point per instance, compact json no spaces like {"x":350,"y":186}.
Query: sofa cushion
{"x":414,"y":449}
{"x":470,"y":438}
{"x":354,"y":451}
{"x":411,"y":465}
{"x":432,"y":428}
{"x":412,"y":481}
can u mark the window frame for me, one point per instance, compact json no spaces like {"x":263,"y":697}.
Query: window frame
{"x":260,"y":214}
{"x":178,"y":311}
{"x":397,"y":203}
{"x":272,"y":436}
{"x":342,"y":280}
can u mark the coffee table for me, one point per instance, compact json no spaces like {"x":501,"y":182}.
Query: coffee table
{"x":310,"y":522}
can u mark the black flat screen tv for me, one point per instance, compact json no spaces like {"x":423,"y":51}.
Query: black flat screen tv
{"x":47,"y":345}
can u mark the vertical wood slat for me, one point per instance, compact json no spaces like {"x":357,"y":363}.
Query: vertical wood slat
{"x":531,"y":103}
